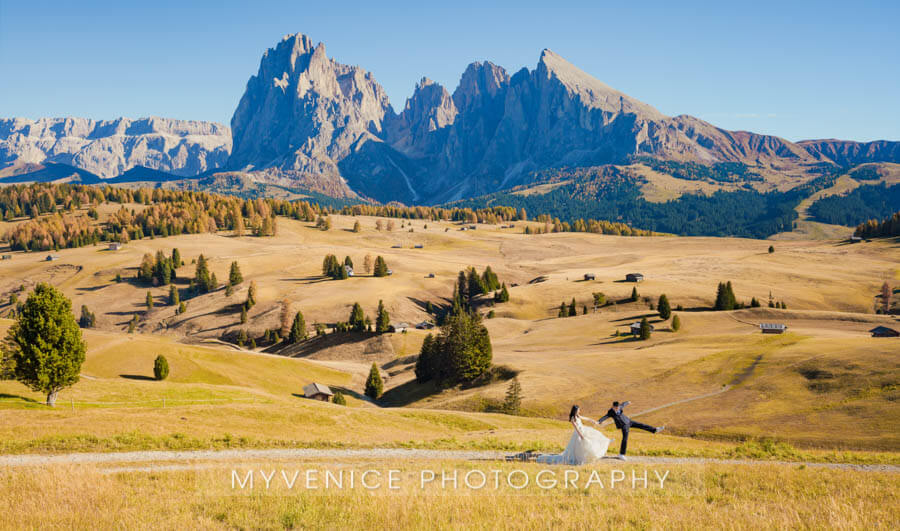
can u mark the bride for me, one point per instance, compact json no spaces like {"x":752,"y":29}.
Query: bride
{"x":585,"y":446}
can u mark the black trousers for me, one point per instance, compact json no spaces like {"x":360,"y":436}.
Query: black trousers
{"x":627,"y":427}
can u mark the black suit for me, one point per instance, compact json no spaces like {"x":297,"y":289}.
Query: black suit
{"x":625,"y":424}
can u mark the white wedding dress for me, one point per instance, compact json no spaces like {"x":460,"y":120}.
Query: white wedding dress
{"x":580,"y":451}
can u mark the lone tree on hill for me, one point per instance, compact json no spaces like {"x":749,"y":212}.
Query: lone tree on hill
{"x":383,"y":320}
{"x":160,"y":368}
{"x":234,"y":276}
{"x":645,"y":329}
{"x":374,"y":384}
{"x":665,"y":311}
{"x":676,"y":323}
{"x":298,"y":329}
{"x":43,"y":349}
{"x":634,"y":294}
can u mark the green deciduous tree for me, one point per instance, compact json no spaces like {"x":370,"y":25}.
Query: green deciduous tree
{"x":339,"y":398}
{"x":43,"y":349}
{"x":676,"y":323}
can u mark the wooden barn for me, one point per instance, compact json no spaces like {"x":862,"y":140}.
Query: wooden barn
{"x":634,"y":277}
{"x":772,"y":328}
{"x":115,"y":246}
{"x":317,"y":391}
{"x":883,"y":331}
{"x":590,"y":276}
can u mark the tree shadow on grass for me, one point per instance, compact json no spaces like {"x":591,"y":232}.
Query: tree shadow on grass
{"x":23,"y":398}
{"x":139,"y":377}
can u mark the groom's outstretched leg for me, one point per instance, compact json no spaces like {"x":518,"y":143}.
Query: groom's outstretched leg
{"x":642,"y":426}
{"x":624,"y":445}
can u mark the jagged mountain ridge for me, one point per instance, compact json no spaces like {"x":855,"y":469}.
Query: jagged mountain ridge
{"x":108,"y":148}
{"x":309,"y":120}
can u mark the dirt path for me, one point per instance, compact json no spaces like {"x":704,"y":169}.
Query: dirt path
{"x":160,"y":460}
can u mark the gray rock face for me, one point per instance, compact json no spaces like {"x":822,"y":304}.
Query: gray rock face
{"x":307,"y":120}
{"x":304,"y":113}
{"x":110,"y":147}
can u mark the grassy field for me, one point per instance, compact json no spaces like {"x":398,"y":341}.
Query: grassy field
{"x":824,"y":387}
{"x":691,"y":497}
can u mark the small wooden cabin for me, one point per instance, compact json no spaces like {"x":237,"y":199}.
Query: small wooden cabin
{"x":772,"y":328}
{"x":400,"y":327}
{"x":317,"y":391}
{"x":636,"y":328}
{"x":590,"y":276}
{"x":634,"y":277}
{"x":425,"y":325}
{"x":115,"y":246}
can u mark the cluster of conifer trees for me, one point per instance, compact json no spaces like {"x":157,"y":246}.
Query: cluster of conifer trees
{"x":889,"y":226}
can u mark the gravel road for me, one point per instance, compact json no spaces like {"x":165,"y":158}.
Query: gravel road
{"x":197,"y":459}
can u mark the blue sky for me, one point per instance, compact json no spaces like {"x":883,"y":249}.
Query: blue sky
{"x":790,"y":68}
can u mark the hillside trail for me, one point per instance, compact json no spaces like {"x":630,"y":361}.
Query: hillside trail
{"x":167,"y":460}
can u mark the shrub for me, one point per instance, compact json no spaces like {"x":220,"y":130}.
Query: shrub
{"x":160,"y":368}
{"x":676,"y":323}
{"x":339,"y":396}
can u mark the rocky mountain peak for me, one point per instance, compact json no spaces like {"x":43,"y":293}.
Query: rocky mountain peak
{"x":480,"y":84}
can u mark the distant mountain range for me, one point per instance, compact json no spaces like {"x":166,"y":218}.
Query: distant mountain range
{"x":307,"y":122}
{"x":108,"y":148}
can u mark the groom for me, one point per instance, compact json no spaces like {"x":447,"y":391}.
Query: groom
{"x":616,"y":412}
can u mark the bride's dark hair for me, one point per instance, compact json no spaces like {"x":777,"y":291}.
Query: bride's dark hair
{"x":573,"y":413}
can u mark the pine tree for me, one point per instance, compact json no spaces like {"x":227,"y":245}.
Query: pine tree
{"x":367,"y":264}
{"x":87,"y":317}
{"x":145,"y":271}
{"x":645,"y":329}
{"x":348,"y":262}
{"x":676,"y":323}
{"x":174,"y":298}
{"x":357,"y":319}
{"x":243,"y":314}
{"x":503,"y":294}
{"x":513,"y":401}
{"x":202,"y":278}
{"x":634,"y":294}
{"x":251,"y":295}
{"x":298,"y":329}
{"x":381,"y":269}
{"x":374,"y":384}
{"x":563,"y":311}
{"x":754,"y":303}
{"x":182,"y":308}
{"x":573,"y":311}
{"x":234,"y":276}
{"x":383,"y":320}
{"x":474,"y":286}
{"x":149,"y":301}
{"x":425,"y":369}
{"x":665,"y":311}
{"x":176,"y":259}
{"x":43,"y":348}
{"x":771,"y":249}
{"x":725,"y":300}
